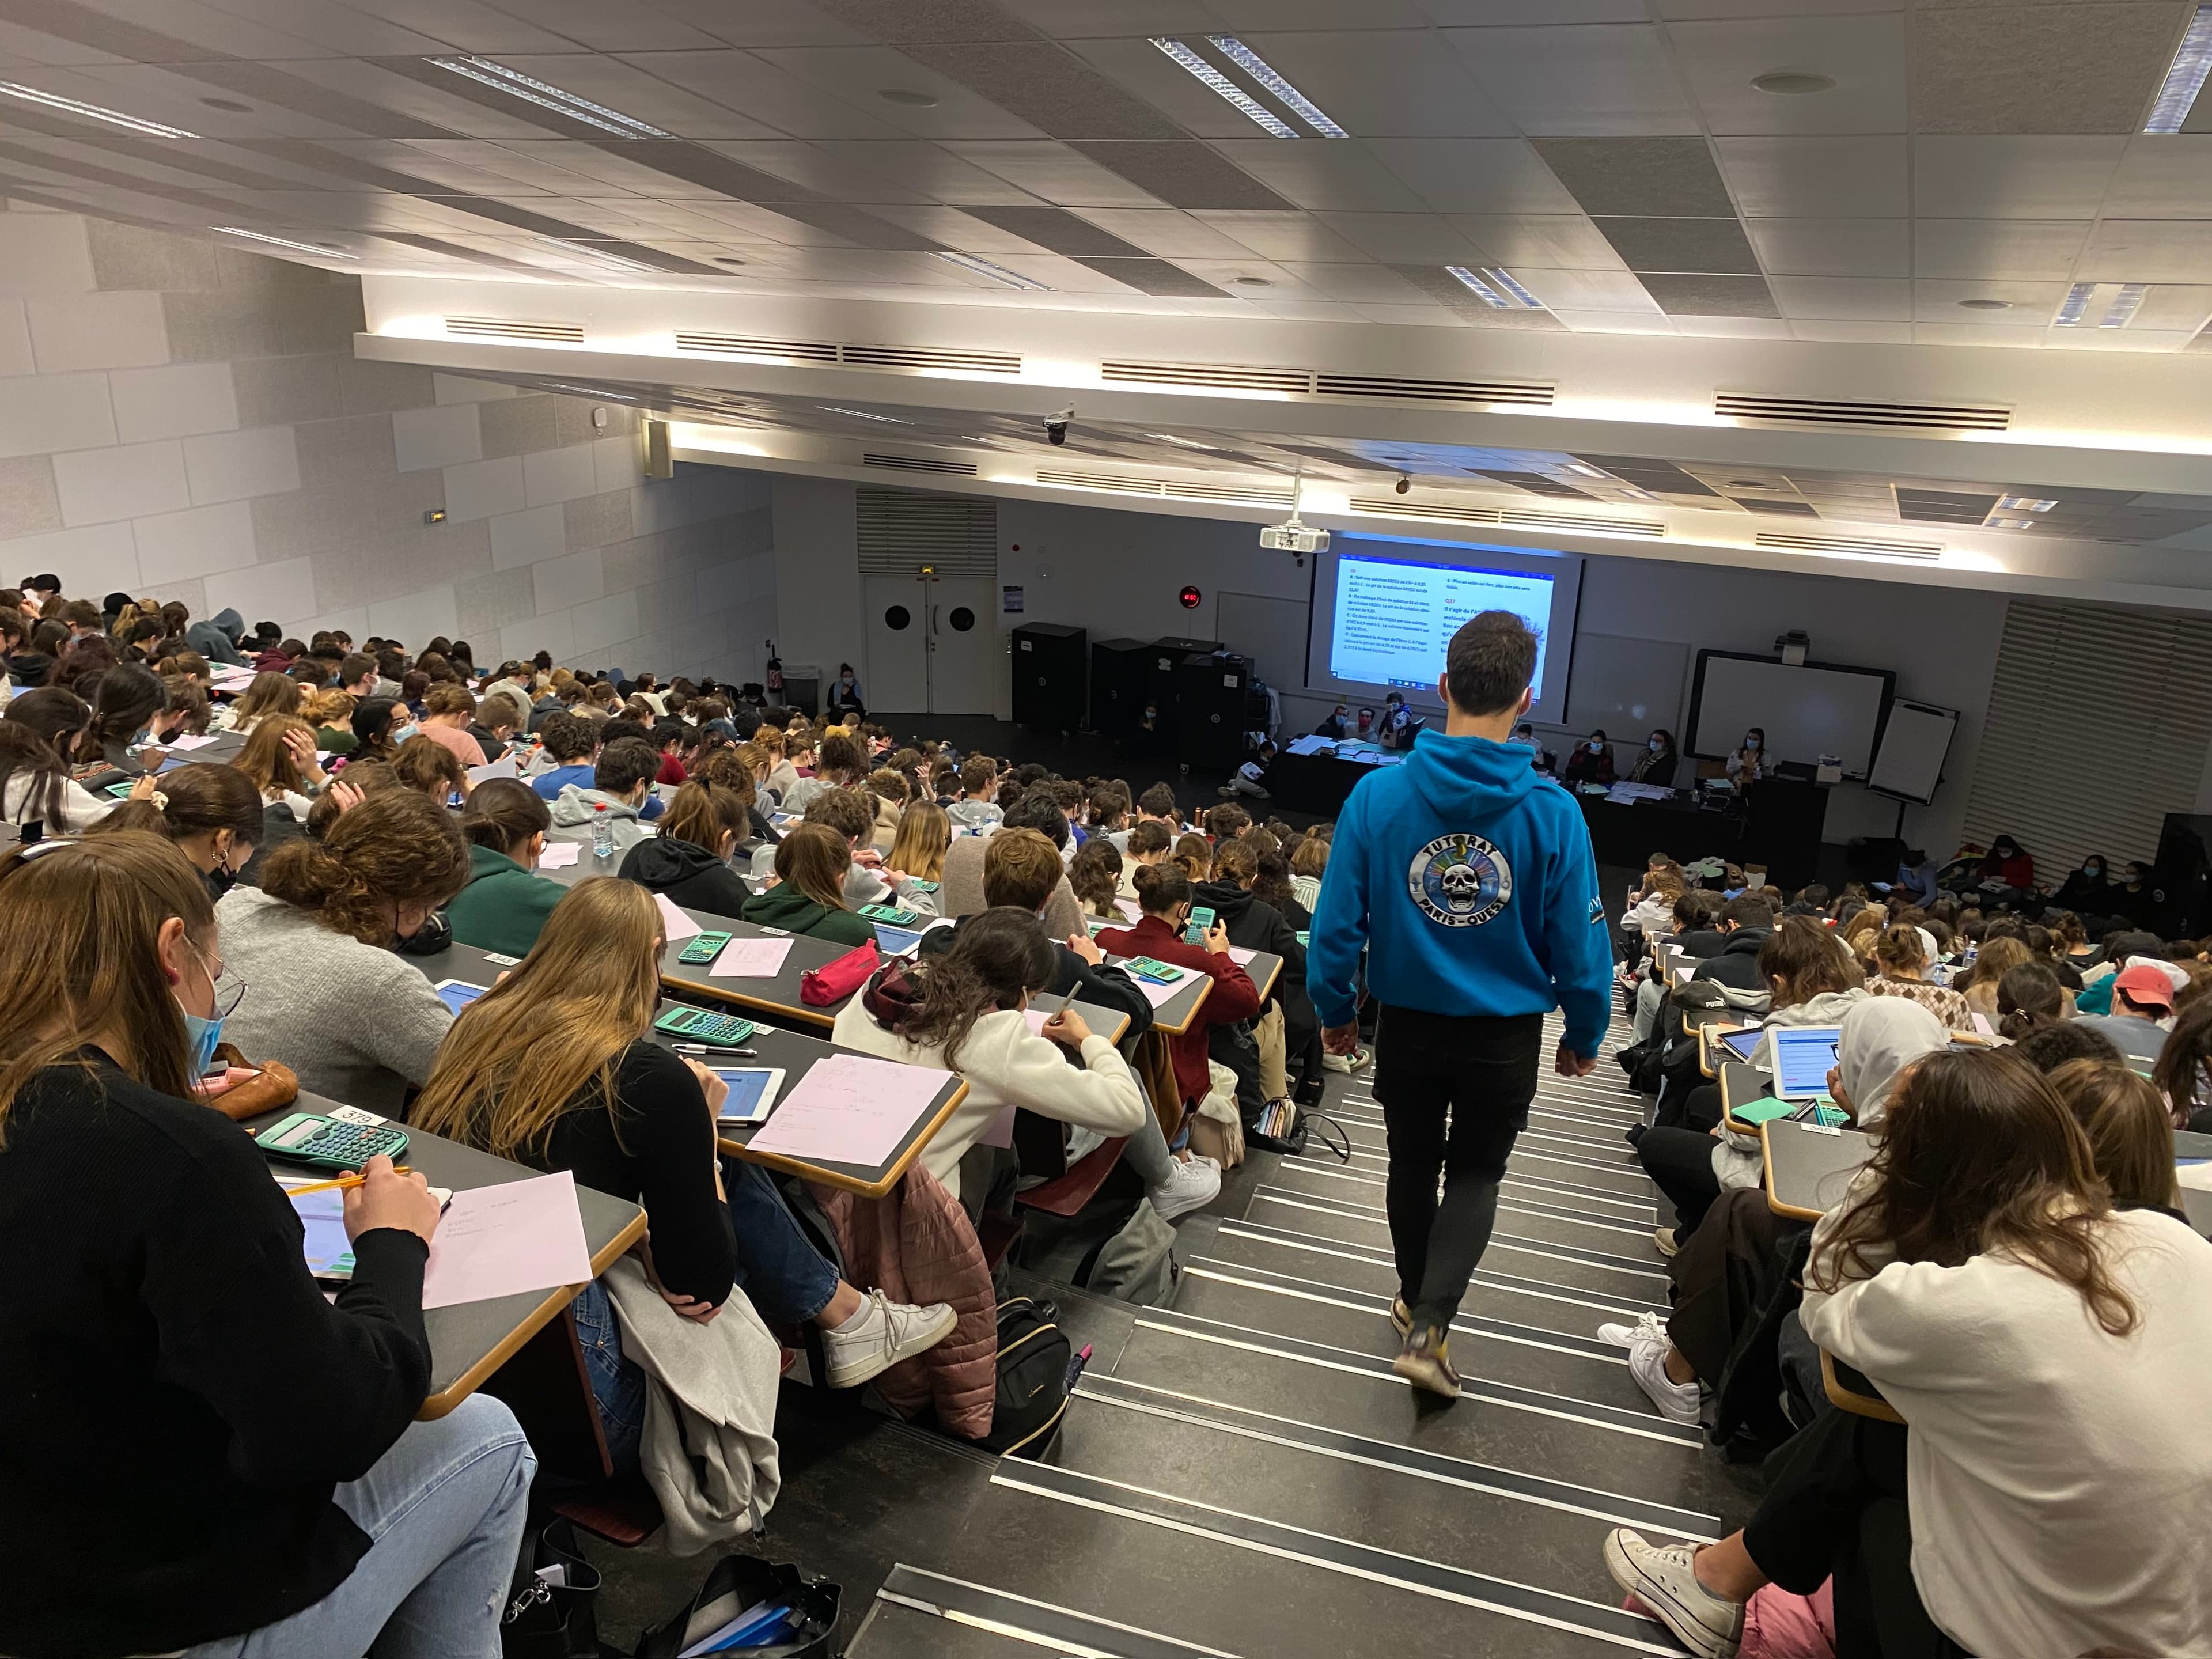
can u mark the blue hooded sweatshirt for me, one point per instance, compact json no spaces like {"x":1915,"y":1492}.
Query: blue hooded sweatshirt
{"x":1470,"y":879}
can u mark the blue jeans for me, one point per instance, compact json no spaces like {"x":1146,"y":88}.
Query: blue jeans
{"x":617,"y":1384}
{"x":443,"y":1510}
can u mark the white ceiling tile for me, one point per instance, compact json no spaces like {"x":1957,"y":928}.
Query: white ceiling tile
{"x":1136,"y":65}
{"x":1505,"y":13}
{"x":2032,"y":303}
{"x":2165,"y":177}
{"x":2147,"y":250}
{"x":172,"y":96}
{"x":1559,"y":241}
{"x":926,"y":169}
{"x":473,"y":164}
{"x":2130,"y":338}
{"x":1965,"y":334}
{"x":1654,"y":321}
{"x":1397,"y":239}
{"x":856,"y":75}
{"x":1583,"y":290}
{"x":772,"y":94}
{"x":1602,"y":80}
{"x":1386,"y":85}
{"x":756,"y":23}
{"x":1056,"y":173}
{"x":1341,"y":174}
{"x":1411,"y":316}
{"x":1865,"y":56}
{"x":1245,"y":15}
{"x":1305,"y":310}
{"x":2011,"y":177}
{"x":1679,"y":10}
{"x":467,"y":25}
{"x":1475,"y":176}
{"x":2174,"y":305}
{"x":1840,"y":177}
{"x":1078,"y":19}
{"x":1169,"y":232}
{"x":2021,"y":250}
{"x":1733,"y":328}
{"x":1843,"y":299}
{"x":1845,"y":333}
{"x":336,"y":28}
{"x":1366,"y":283}
{"x":817,"y":168}
{"x":1296,"y":237}
{"x":621,"y":84}
{"x":1833,"y":247}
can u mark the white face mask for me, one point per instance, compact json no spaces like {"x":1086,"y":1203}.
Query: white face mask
{"x":1597,"y":745}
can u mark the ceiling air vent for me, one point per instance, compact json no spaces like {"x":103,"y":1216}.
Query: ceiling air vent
{"x":1784,"y":541}
{"x":919,"y":358}
{"x":1168,"y":488}
{"x":1846,"y":412}
{"x":911,"y":359}
{"x":921,"y":463}
{"x":754,"y":345}
{"x":509,"y":328}
{"x":1515,"y":518}
{"x":1317,"y":383}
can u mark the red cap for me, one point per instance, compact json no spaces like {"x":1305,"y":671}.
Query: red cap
{"x":2146,"y":984}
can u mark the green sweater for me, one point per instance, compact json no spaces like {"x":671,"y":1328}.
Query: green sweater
{"x":503,"y":906}
{"x":784,"y":906}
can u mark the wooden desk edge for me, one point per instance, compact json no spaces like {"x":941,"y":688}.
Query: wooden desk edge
{"x":1859,"y":1404}
{"x":721,"y":991}
{"x":1205,"y":991}
{"x":437,"y":1405}
{"x":1766,"y":1180}
{"x":876,"y":1188}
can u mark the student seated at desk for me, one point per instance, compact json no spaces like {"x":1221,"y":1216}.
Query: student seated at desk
{"x":731,"y":768}
{"x":2143,"y":994}
{"x":891,"y":792}
{"x":1165,"y":896}
{"x":35,"y":785}
{"x":314,"y":943}
{"x":373,"y":723}
{"x":689,"y":860}
{"x":504,"y":905}
{"x":622,"y":788}
{"x":554,"y":1067}
{"x":967,"y":859}
{"x":842,"y":764}
{"x":809,"y":894}
{"x":568,"y":744}
{"x":279,"y":760}
{"x":2053,"y":1356}
{"x":211,"y":814}
{"x":175,"y":1385}
{"x":269,"y":694}
{"x":1591,"y":762}
{"x":979,"y":787}
{"x":1149,"y":843}
{"x":1901,"y":954}
{"x":919,"y":849}
{"x":427,"y":767}
{"x":448,"y":711}
{"x":852,"y":814}
{"x":1094,"y":875}
{"x":962,"y":1010}
{"x":130,"y":701}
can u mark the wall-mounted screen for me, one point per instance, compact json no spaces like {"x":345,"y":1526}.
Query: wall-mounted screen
{"x":1806,"y":711}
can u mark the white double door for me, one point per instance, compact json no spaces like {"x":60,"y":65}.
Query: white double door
{"x":930,"y":644}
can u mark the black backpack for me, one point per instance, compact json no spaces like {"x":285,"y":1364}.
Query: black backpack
{"x":1033,"y":1360}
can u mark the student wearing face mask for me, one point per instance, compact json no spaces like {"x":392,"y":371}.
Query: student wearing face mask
{"x":1752,"y":760}
{"x":1400,"y":726}
{"x":211,"y":813}
{"x":1337,"y":725}
{"x":2134,"y":898}
{"x":2087,"y":890}
{"x":1591,"y":762}
{"x":1658,"y":763}
{"x":331,"y":999}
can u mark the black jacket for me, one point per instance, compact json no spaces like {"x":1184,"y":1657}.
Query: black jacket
{"x":1737,"y":965}
{"x":1255,"y":924}
{"x":1103,"y":985}
{"x":690,"y":876}
{"x":1702,"y":942}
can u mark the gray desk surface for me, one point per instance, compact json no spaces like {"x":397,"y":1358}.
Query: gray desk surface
{"x":1176,"y":1015}
{"x":469,"y":1341}
{"x":1808,"y":1168}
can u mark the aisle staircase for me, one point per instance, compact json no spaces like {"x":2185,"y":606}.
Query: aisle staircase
{"x":1248,"y":1477}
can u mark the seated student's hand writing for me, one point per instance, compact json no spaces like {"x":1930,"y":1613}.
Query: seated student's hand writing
{"x":1067,"y":1029}
{"x":386,"y":1198}
{"x":1087,"y":947}
{"x":710,"y":1085}
{"x":144,"y":788}
{"x":1217,"y":938}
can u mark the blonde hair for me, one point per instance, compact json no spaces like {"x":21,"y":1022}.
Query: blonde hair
{"x":270,"y":693}
{"x":546,"y":1039}
{"x":924,"y":833}
{"x":267,"y":760}
{"x":813,"y":859}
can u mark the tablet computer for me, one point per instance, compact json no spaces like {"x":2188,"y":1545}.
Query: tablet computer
{"x":896,"y":941}
{"x":1803,"y":1057}
{"x":458,"y":994}
{"x":1742,"y":1045}
{"x":753,"y":1091}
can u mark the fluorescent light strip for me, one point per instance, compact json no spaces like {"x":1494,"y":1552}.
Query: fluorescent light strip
{"x":2185,"y":77}
{"x":2076,"y":302}
{"x":996,"y":273}
{"x":862,"y":415}
{"x":598,"y":256}
{"x":516,"y":84}
{"x":1482,"y":290}
{"x":114,"y":117}
{"x":1184,"y":443}
{"x":1245,"y":102}
{"x":2122,"y":311}
{"x":2024,"y":504}
{"x":283,"y":241}
{"x":1259,"y":69}
{"x":1504,"y":279}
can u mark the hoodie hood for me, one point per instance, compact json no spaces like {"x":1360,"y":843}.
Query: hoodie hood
{"x":784,"y":906}
{"x":1224,"y":898}
{"x":574,"y":806}
{"x":1469,"y":780}
{"x":662,"y":861}
{"x":231,"y":624}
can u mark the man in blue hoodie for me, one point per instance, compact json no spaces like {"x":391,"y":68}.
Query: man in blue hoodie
{"x":1468,"y":878}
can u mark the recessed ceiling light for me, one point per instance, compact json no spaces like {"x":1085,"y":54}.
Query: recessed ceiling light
{"x":2123,"y":308}
{"x":907,"y":98}
{"x":1227,"y":89}
{"x":1260,"y":70}
{"x":2009,"y":524}
{"x":531,"y":90}
{"x":1791,"y":84}
{"x":725,"y":259}
{"x":114,"y":117}
{"x":1986,"y":305}
{"x":283,"y":242}
{"x":998,"y":274}
{"x":1252,"y":281}
{"x":1496,"y":288}
{"x":2185,"y":77}
{"x":2025,"y":503}
{"x":230,"y":105}
{"x":2076,"y":302}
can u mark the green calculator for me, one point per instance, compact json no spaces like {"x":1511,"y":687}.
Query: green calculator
{"x":1159,"y":973}
{"x":329,"y":1143}
{"x":703,"y":949}
{"x":889,"y":912}
{"x":703,"y":1026}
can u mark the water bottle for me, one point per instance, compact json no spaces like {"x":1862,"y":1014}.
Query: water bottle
{"x":603,"y":831}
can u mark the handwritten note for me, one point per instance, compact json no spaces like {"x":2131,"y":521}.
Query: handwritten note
{"x":751,"y":958}
{"x":850,"y":1109}
{"x":188,"y":742}
{"x":504,"y":1240}
{"x":675,"y":925}
{"x":560,"y":854}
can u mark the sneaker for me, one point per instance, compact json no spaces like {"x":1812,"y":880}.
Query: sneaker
{"x":1351,"y":1062}
{"x":1190,"y":1185}
{"x":1401,"y":1317}
{"x":885,"y":1333}
{"x":1424,"y":1361}
{"x":1664,"y":1238}
{"x":1661,"y":1577}
{"x":1624,"y":1336}
{"x":1648,"y":1346}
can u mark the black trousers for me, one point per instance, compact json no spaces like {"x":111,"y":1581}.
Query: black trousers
{"x":1680,"y":1164}
{"x":1454,"y":1092}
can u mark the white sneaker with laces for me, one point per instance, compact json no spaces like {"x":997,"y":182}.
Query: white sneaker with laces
{"x":1191,"y":1184}
{"x":1661,"y":1577}
{"x":1648,"y":1346}
{"x":1624,"y":1336}
{"x":1347,"y":1063}
{"x":885,"y":1333}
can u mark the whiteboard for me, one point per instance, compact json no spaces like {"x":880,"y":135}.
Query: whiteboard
{"x":1806,"y":711}
{"x":1626,"y":687}
{"x":1914,"y":745}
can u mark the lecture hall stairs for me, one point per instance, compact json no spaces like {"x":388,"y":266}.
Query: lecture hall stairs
{"x":1241,"y":1474}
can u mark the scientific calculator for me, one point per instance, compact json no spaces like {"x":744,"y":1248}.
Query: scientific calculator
{"x":329,"y":1144}
{"x":702,"y":1026}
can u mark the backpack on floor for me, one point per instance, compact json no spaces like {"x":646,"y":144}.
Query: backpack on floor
{"x":1033,"y":1360}
{"x":738,"y":1584}
{"x":1134,"y":1263}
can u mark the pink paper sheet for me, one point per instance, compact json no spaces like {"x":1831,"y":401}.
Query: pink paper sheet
{"x":849,"y":1109}
{"x":751,"y":958}
{"x":678,"y":926}
{"x":560,"y":854}
{"x":501,"y":1241}
{"x":1158,"y":995}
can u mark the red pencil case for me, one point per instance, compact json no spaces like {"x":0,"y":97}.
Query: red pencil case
{"x":836,"y":980}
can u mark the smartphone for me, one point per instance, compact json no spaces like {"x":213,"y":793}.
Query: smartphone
{"x":703,"y":949}
{"x":1201,"y":918}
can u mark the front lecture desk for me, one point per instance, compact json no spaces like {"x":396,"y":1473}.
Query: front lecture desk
{"x":471,"y":1339}
{"x":1776,"y":825}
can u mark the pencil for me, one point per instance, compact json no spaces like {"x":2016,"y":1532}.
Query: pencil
{"x":341,"y":1183}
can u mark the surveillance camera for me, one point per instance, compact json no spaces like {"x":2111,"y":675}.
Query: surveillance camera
{"x":1056,"y":425}
{"x":1405,"y":482}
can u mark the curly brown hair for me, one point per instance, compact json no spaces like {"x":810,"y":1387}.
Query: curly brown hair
{"x":395,"y":845}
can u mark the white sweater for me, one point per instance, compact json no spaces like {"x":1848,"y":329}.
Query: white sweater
{"x":1006,"y":1064}
{"x":80,"y":808}
{"x":2060,"y":1478}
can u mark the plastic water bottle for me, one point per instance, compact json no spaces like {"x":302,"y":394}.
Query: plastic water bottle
{"x":603,"y":831}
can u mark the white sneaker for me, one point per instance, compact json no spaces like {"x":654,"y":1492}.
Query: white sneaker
{"x":1662,"y":1579}
{"x":1648,"y":1346}
{"x":1353,"y":1062}
{"x":887,"y":1331}
{"x":1190,"y":1185}
{"x":1624,"y":1336}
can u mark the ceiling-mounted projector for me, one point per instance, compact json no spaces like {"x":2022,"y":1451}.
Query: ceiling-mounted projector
{"x":1294,"y":537}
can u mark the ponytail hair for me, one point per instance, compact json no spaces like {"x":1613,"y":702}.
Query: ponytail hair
{"x":1161,"y":887}
{"x":503,"y":813}
{"x":396,"y":846}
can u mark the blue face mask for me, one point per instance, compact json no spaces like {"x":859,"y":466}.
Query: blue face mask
{"x":405,"y":731}
{"x":201,"y":1032}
